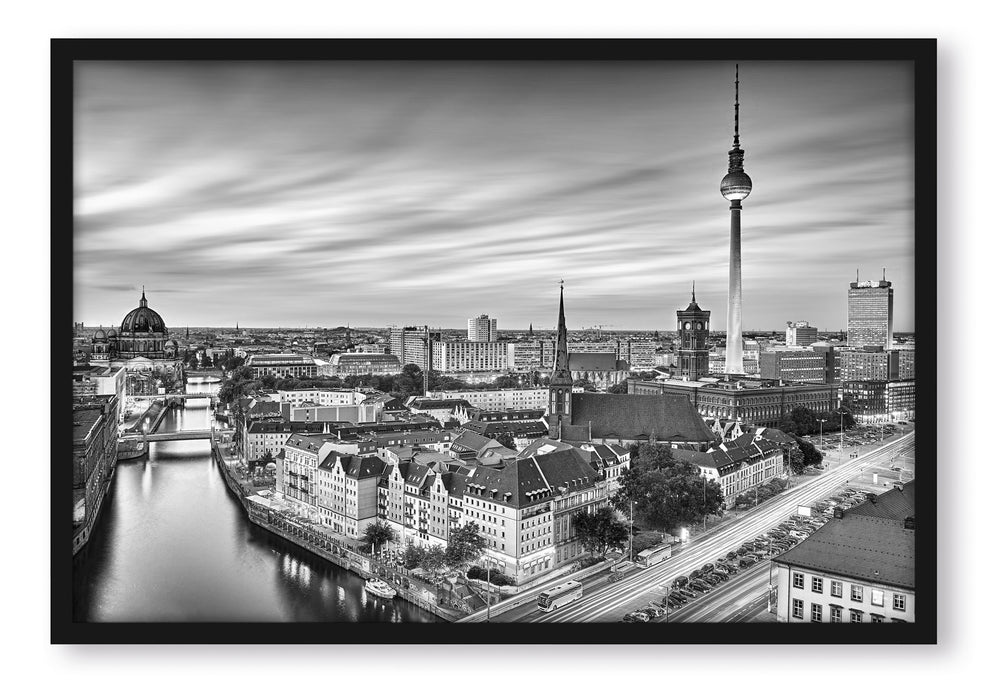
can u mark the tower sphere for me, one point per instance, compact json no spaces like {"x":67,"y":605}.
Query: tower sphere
{"x":736,"y":186}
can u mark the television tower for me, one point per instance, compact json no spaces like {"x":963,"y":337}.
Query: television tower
{"x":735,"y":187}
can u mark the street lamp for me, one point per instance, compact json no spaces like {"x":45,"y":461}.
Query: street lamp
{"x":842,"y":415}
{"x":631,"y":504}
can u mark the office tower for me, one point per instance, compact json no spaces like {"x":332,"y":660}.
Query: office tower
{"x":870,"y":313}
{"x":482,"y":329}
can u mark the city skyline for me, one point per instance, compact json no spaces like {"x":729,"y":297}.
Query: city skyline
{"x":212,"y":186}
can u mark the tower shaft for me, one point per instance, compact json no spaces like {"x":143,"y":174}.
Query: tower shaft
{"x":733,"y":327}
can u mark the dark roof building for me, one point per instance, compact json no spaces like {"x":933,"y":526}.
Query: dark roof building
{"x":624,"y":417}
{"x":860,"y":564}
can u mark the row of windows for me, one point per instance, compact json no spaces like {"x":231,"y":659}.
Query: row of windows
{"x":835,"y":613}
{"x":899,"y":600}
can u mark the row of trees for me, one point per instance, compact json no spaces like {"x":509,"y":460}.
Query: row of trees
{"x":464,"y":545}
{"x":803,"y":421}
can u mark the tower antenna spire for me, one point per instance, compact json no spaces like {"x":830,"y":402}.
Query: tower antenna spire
{"x":692,"y":291}
{"x":884,"y":278}
{"x":735,"y":143}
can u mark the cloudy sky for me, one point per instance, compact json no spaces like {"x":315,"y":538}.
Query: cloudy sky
{"x":322,"y":194}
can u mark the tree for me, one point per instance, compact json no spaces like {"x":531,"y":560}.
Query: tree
{"x":413,"y":556}
{"x":433,"y":560}
{"x":463,"y":545}
{"x":585,"y":384}
{"x":378,"y":534}
{"x":506,"y":382}
{"x":620,"y":388}
{"x":506,"y":440}
{"x":268,"y":457}
{"x":795,"y":460}
{"x":669,"y":493}
{"x":810,"y":453}
{"x":600,"y":530}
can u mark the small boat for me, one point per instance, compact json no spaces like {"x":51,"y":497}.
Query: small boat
{"x":379,"y":588}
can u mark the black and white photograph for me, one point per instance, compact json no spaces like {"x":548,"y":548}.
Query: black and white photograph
{"x":437,"y":337}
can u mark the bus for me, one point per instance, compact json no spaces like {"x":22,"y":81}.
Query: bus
{"x":565,"y":593}
{"x":655,"y":555}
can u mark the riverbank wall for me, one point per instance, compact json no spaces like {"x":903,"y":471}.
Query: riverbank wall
{"x":415,"y":591}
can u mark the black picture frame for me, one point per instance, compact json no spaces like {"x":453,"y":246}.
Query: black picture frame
{"x":64,"y":52}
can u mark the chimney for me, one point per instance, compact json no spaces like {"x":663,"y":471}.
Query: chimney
{"x":909,"y":522}
{"x":872,"y":497}
{"x":837,"y":513}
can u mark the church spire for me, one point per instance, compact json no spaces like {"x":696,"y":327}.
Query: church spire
{"x":144,"y":301}
{"x":560,"y":364}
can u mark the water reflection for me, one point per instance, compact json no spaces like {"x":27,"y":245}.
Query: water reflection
{"x":174,"y":545}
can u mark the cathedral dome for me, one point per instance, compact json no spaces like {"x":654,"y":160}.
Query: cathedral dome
{"x":100,"y":335}
{"x":143,"y":319}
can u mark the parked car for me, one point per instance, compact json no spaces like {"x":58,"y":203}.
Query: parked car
{"x":706,"y":568}
{"x":746,"y":562}
{"x":636,"y":617}
{"x":730,"y":567}
{"x":688,"y":591}
{"x":651,"y":611}
{"x":701,"y":585}
{"x":681,"y":581}
{"x":695,"y":574}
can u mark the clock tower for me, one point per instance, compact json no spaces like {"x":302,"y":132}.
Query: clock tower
{"x":692,"y":330}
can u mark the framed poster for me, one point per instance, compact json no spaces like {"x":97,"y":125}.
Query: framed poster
{"x":477,"y":335}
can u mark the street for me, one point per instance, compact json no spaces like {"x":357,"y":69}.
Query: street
{"x":605,"y":602}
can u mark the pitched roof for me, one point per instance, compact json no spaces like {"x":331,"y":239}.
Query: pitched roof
{"x":895,"y":504}
{"x":492,"y":428}
{"x":356,"y":466}
{"x":669,"y":417}
{"x":308,"y":443}
{"x":534,"y":447}
{"x":469,"y":440}
{"x":868,"y":542}
{"x":871,"y":549}
{"x":565,"y":469}
{"x":517,"y":484}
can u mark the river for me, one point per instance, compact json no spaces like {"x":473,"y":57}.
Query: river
{"x":173,"y":545}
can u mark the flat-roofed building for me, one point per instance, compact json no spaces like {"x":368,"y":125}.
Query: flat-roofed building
{"x":282,"y":365}
{"x":482,"y":329}
{"x":467,"y":356}
{"x":800,"y":334}
{"x":499,"y":399}
{"x":793,"y":366}
{"x":360,"y":363}
{"x":870,"y":314}
{"x":94,"y":456}
{"x":758,"y":402}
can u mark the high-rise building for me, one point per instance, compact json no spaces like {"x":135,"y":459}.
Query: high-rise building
{"x":692,"y":329}
{"x":482,"y":329}
{"x":409,"y":345}
{"x":461,"y":356}
{"x":870,"y":314}
{"x":800,"y":334}
{"x":735,"y":187}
